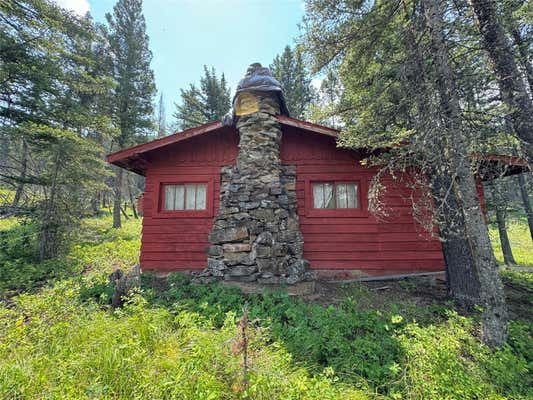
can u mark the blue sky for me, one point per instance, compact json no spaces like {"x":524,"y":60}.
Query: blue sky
{"x":229,"y":35}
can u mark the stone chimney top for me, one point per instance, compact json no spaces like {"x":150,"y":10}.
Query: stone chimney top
{"x":259,"y":79}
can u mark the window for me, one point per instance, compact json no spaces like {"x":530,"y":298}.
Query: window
{"x":189,"y":196}
{"x":331,"y":195}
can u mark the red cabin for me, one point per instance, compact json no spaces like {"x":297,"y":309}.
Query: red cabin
{"x":182,"y":196}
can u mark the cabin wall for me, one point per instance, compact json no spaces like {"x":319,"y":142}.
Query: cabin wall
{"x":178,"y":243}
{"x":351,"y":246}
{"x":340,"y":246}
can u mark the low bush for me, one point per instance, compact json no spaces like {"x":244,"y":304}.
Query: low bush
{"x":18,"y":267}
{"x":98,"y":249}
{"x":436,"y":356}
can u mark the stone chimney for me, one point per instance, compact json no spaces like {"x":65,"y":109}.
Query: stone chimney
{"x":256,"y":235}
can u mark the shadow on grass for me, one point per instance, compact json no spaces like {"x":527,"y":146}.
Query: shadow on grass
{"x":395,"y":347}
{"x":358,"y":344}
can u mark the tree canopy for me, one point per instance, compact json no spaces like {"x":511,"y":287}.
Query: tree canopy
{"x":207,"y":103}
{"x":289,"y":69}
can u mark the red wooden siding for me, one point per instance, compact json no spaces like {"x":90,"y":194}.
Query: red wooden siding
{"x":171,"y":243}
{"x":356,"y":241}
{"x":345,"y":241}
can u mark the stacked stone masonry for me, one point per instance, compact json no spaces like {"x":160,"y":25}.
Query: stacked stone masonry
{"x":256,"y":235}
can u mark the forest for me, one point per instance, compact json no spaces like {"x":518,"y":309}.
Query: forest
{"x":439,"y":84}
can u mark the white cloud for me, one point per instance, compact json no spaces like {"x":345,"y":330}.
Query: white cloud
{"x":80,"y":7}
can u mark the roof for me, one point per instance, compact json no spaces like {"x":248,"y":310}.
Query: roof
{"x":132,"y":158}
{"x":490,"y":166}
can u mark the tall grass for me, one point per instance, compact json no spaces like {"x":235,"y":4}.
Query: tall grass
{"x":520,"y":239}
{"x":55,"y":347}
{"x":180,"y":341}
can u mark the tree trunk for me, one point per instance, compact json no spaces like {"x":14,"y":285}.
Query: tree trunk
{"x":484,"y":264}
{"x":123,"y":211}
{"x":95,"y":204}
{"x":511,"y":84}
{"x":508,"y":258}
{"x":524,"y":59}
{"x":117,"y":192}
{"x":461,"y":282}
{"x":49,"y":228}
{"x":132,"y":201}
{"x":23,"y":172}
{"x":525,"y":201}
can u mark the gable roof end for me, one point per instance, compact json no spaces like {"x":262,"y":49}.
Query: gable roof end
{"x":132,"y":158}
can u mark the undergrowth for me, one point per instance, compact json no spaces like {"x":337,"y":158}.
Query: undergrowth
{"x":177,"y":340}
{"x":97,"y":247}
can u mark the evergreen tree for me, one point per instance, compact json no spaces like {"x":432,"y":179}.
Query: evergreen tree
{"x":324,"y":110}
{"x":51,"y":86}
{"x":208,"y":103}
{"x":289,"y":69}
{"x":512,"y":86}
{"x":405,"y":90}
{"x":517,"y":18}
{"x":135,"y":83}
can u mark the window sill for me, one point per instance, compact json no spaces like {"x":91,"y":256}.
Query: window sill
{"x":184,"y":214}
{"x":336,"y":213}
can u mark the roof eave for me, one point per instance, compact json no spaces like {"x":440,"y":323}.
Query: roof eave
{"x":129,"y":157}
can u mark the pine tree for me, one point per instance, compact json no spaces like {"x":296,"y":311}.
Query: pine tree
{"x":403,"y":91}
{"x":289,"y":69}
{"x":502,"y":57}
{"x":53,"y":86}
{"x":208,"y":103}
{"x":135,"y":83}
{"x":324,"y":109}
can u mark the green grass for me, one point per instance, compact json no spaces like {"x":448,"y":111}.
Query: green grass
{"x":7,"y":224}
{"x":60,"y":339}
{"x":6,"y":196}
{"x":520,"y":239}
{"x":97,"y":247}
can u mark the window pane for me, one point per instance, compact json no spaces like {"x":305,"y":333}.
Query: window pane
{"x":342,"y":196}
{"x":329,"y":199}
{"x":201,"y":196}
{"x":318,"y":195}
{"x":180,"y":194}
{"x":190,"y":197}
{"x":169,"y":197}
{"x":352,"y":195}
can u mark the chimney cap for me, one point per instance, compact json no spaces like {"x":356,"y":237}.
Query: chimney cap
{"x":260,"y":79}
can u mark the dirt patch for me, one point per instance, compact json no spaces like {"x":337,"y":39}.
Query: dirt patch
{"x":412,"y":292}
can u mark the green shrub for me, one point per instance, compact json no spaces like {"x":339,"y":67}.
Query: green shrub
{"x":18,"y":269}
{"x":355,"y":344}
{"x":447,"y":361}
{"x":98,"y":249}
